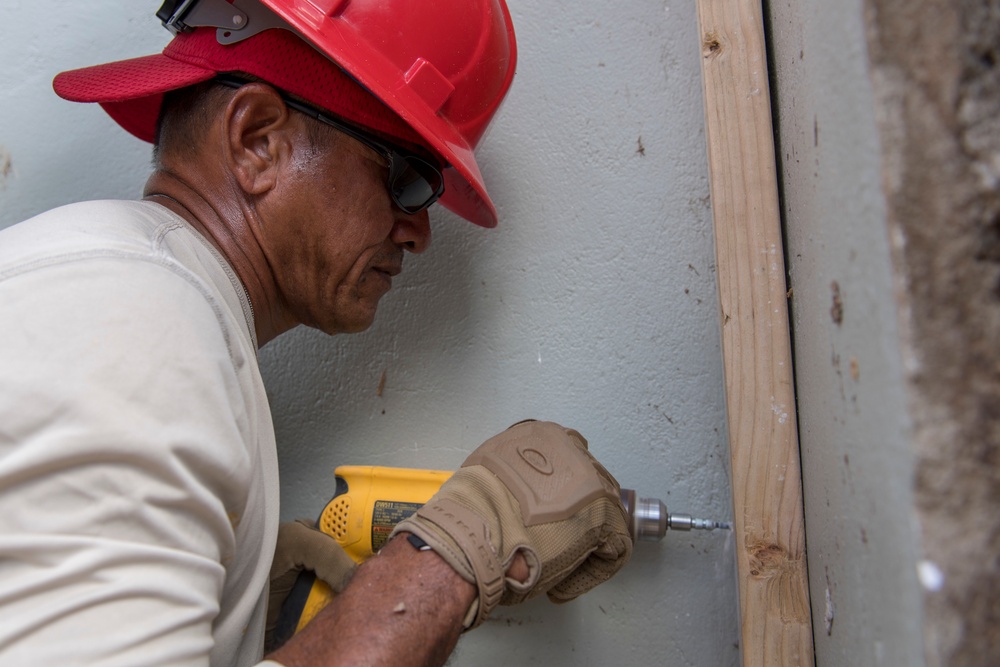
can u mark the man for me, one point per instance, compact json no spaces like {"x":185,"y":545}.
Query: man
{"x":298,"y":145}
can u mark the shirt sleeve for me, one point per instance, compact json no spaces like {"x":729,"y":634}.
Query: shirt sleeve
{"x":122,"y":464}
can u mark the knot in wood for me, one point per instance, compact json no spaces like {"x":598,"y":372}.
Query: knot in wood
{"x":766,"y":560}
{"x":783,"y":578}
{"x":711,"y":45}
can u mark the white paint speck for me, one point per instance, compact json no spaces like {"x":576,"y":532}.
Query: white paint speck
{"x":830,"y":612}
{"x":780,"y":411}
{"x":930,"y":575}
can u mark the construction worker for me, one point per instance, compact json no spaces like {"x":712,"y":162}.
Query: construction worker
{"x":297,"y":147}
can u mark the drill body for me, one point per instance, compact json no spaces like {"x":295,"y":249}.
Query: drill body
{"x":368,"y":503}
{"x":370,"y":500}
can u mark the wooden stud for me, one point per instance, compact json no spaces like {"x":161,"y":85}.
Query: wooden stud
{"x":775,"y":616}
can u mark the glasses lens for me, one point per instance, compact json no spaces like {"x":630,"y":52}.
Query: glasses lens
{"x":416,"y":184}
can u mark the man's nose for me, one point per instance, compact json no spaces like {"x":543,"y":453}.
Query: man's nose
{"x":412,"y":232}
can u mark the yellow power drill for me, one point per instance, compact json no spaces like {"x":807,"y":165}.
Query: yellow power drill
{"x":370,"y":500}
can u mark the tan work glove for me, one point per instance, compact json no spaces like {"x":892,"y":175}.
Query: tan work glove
{"x":533,"y":489}
{"x":301,"y":547}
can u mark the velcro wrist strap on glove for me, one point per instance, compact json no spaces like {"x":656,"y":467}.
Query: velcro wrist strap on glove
{"x":469,"y":552}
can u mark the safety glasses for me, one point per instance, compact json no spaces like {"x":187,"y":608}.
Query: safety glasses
{"x":414,"y":182}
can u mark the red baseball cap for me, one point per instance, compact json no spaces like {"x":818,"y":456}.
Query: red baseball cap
{"x":131,"y":91}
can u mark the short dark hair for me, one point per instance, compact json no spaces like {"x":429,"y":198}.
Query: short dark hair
{"x":184,"y":116}
{"x":186,"y":113}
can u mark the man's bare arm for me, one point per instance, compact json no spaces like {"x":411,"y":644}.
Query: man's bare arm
{"x":403,"y":607}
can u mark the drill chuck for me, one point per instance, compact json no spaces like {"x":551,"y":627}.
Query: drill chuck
{"x":649,"y":519}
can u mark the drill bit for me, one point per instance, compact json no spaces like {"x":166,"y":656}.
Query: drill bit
{"x":688,"y":522}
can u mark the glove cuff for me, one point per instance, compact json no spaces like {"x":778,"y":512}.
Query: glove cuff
{"x":462,"y":539}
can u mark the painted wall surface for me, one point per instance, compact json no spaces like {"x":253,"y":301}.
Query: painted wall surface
{"x":854,"y":427}
{"x":592,"y":304}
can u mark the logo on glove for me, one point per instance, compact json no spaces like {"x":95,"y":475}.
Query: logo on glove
{"x":535,"y":459}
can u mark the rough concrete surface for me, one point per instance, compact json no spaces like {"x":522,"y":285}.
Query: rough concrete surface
{"x":593,"y":303}
{"x":936,"y":73}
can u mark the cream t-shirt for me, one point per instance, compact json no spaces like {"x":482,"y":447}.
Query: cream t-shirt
{"x":138,"y":472}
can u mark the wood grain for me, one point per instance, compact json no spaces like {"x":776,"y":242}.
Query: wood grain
{"x":764,"y":454}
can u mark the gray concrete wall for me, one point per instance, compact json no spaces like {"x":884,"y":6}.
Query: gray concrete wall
{"x":853,"y":420}
{"x":593,"y":304}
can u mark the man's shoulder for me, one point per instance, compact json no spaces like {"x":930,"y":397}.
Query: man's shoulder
{"x":109,"y":238}
{"x":122,"y":256}
{"x":108,"y":226}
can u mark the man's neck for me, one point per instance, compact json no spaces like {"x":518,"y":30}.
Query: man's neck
{"x":224,"y":224}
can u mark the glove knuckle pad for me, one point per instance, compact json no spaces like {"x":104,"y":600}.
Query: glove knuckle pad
{"x":547,"y":469}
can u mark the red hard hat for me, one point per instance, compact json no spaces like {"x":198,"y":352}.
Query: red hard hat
{"x":442,"y":66}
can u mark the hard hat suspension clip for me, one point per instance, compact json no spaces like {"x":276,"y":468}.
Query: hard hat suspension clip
{"x":235,"y":21}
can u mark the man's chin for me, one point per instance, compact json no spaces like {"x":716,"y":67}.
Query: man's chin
{"x":356,"y":322}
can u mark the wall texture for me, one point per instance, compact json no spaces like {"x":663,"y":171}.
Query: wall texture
{"x":887,"y":115}
{"x":593,"y":304}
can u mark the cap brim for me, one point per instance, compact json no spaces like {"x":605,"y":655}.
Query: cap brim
{"x":130,"y":90}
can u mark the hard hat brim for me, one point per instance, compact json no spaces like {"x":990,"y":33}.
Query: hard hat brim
{"x":465,"y":191}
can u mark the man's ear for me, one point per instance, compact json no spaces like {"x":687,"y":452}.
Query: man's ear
{"x":257,"y":140}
